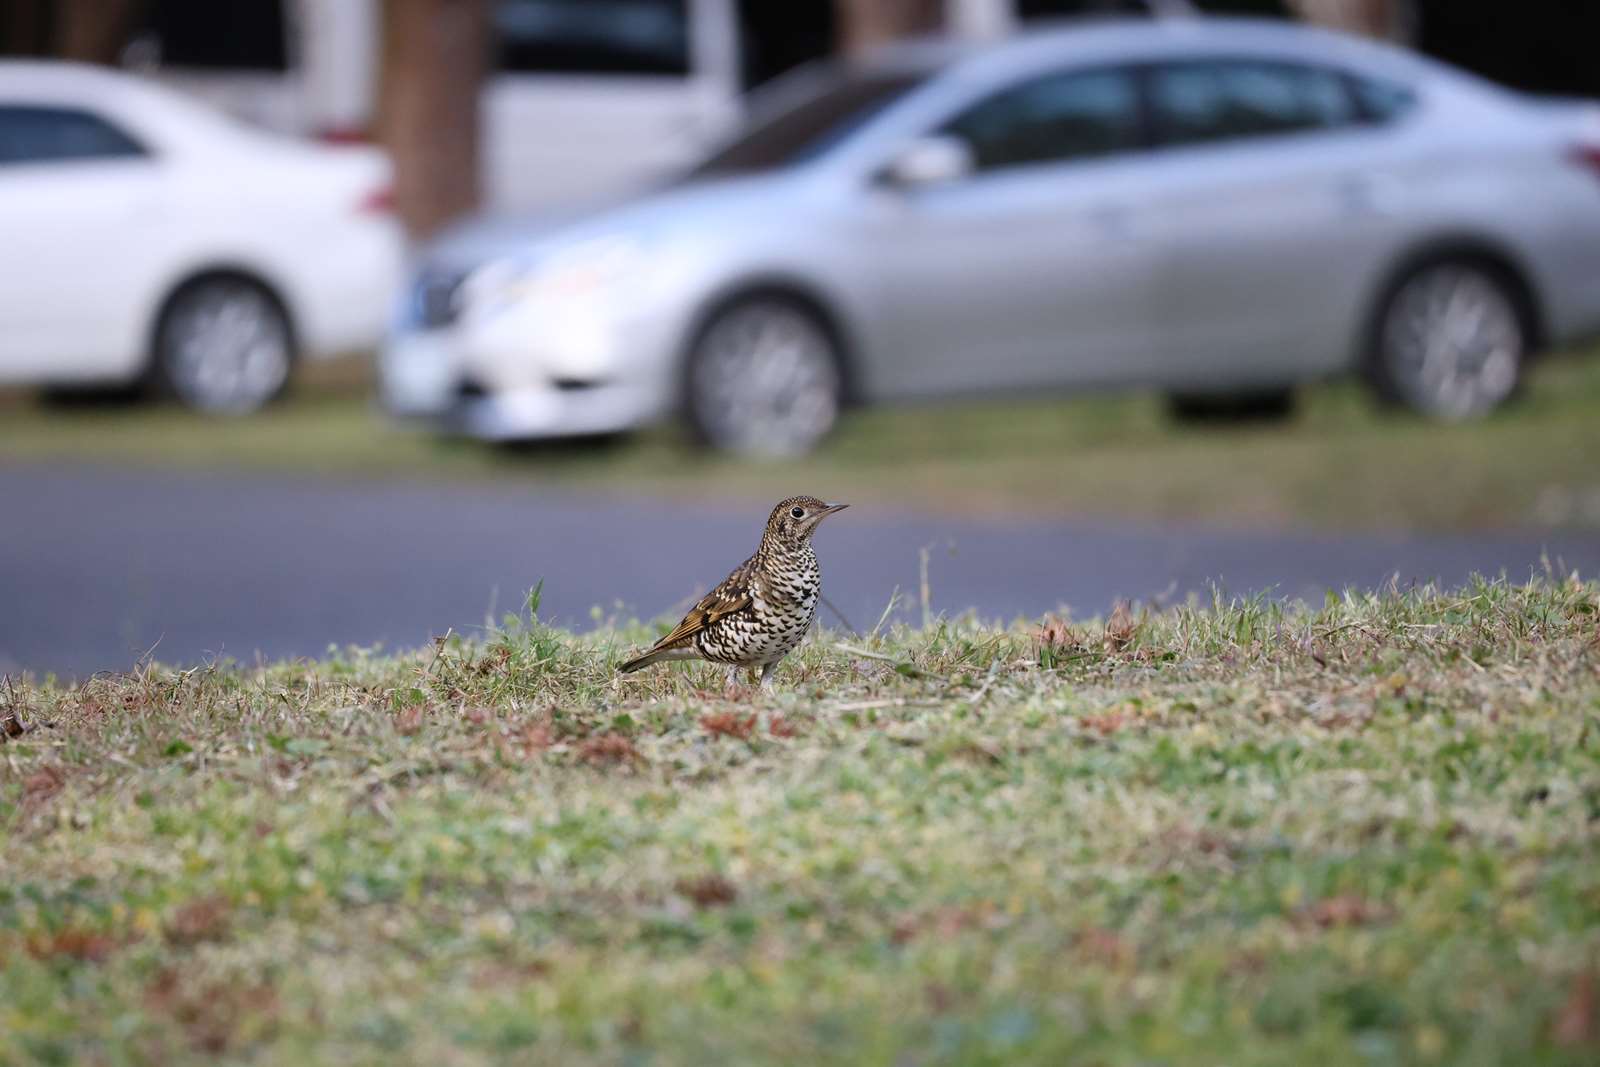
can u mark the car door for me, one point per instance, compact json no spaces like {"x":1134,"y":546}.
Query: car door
{"x":1030,"y":271}
{"x":78,"y":199}
{"x":1273,"y":208}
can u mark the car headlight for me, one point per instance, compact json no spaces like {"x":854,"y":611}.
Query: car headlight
{"x":575,"y":272}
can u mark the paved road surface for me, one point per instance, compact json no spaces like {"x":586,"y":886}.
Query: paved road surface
{"x":98,"y":565}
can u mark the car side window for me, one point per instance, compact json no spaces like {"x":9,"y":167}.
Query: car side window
{"x":1076,"y":115}
{"x":1381,"y":101}
{"x":1225,"y":100}
{"x":33,"y":134}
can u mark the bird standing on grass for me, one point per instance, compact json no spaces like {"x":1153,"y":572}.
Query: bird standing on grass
{"x":760,"y":612}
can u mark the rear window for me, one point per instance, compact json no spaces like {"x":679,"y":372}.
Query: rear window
{"x":30,"y":134}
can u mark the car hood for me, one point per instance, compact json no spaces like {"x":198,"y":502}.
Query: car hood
{"x":687,"y":205}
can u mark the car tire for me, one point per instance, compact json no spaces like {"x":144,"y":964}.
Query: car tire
{"x":1265,"y":405}
{"x":763,"y":379}
{"x":223,"y":346}
{"x":1450,"y":341}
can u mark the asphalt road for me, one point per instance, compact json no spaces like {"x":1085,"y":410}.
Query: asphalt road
{"x":99,"y":565}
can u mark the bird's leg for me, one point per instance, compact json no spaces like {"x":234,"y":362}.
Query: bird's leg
{"x":766,"y":675}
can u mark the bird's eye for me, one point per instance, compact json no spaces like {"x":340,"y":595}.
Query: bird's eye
{"x":798,"y":513}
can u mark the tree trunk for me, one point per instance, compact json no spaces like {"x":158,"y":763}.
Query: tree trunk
{"x":93,"y":31}
{"x":1389,"y":20}
{"x":866,"y":24}
{"x":434,"y":60}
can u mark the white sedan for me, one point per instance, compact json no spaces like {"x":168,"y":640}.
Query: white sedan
{"x":149,"y":240}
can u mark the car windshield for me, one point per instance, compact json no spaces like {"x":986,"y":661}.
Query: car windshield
{"x":809,"y":127}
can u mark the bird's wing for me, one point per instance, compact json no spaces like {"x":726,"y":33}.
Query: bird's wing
{"x":731,"y":595}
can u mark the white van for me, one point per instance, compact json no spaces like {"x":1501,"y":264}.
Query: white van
{"x":586,"y":96}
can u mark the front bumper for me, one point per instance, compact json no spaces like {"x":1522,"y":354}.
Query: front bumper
{"x":423,"y":377}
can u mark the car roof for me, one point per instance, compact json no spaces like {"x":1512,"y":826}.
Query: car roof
{"x":1113,"y":38}
{"x":61,"y":80}
{"x":172,"y":118}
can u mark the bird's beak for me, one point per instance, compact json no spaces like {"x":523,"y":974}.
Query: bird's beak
{"x":815,"y":519}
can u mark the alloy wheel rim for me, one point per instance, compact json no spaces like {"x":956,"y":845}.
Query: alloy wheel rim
{"x":1454,"y":342}
{"x":766,"y":382}
{"x":227,"y":349}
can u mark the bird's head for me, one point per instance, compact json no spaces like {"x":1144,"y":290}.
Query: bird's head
{"x":794,"y":520}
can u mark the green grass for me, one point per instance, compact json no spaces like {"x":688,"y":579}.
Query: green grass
{"x":1366,"y":832}
{"x":1338,"y":463}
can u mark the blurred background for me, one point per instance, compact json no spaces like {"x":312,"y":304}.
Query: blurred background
{"x":347,"y":321}
{"x":507,"y":104}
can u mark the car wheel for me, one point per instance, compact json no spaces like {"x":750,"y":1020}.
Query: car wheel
{"x":1451,"y":342}
{"x":1267,"y":405}
{"x":764,"y":379}
{"x":223,"y":346}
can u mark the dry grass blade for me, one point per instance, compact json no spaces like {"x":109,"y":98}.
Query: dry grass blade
{"x":1120,"y":627}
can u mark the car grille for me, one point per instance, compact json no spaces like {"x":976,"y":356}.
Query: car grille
{"x":434,"y":298}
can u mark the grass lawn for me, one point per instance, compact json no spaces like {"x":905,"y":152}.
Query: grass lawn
{"x":1366,"y":832}
{"x":1339,"y":463}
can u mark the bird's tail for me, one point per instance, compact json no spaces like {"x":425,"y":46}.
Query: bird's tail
{"x":640,"y":661}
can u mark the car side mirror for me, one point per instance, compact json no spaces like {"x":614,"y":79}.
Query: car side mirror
{"x":932,"y":160}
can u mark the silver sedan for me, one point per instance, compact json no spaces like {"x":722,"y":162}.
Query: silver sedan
{"x":1218,"y":209}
